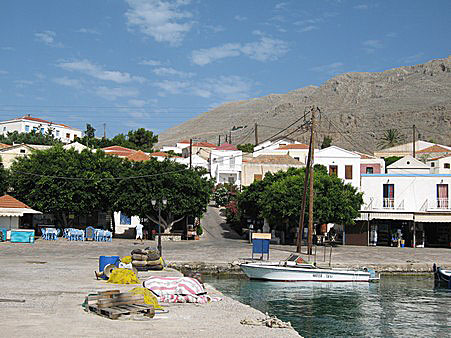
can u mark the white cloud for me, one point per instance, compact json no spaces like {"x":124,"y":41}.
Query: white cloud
{"x":96,"y":71}
{"x":281,"y":5}
{"x":331,"y":68}
{"x":23,"y":83}
{"x":3,"y":72}
{"x":65,"y":81}
{"x":240,"y":18}
{"x":8,"y":48}
{"x":362,"y":6}
{"x":168,"y":71}
{"x":48,"y":38}
{"x":137,"y":103}
{"x":150,"y":63}
{"x":371,"y":45}
{"x":88,"y":31}
{"x":163,"y":20}
{"x":113,"y":93}
{"x":224,"y":88}
{"x":266,"y":49}
{"x":308,"y":28}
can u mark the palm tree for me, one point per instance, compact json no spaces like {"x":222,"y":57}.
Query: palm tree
{"x":391,"y":138}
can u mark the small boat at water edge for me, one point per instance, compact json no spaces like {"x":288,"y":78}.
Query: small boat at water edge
{"x":295,"y":269}
{"x":442,"y":277}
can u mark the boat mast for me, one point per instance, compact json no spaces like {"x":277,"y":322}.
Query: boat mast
{"x":310,"y":207}
{"x":308,"y":174}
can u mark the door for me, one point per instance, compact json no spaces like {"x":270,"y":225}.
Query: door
{"x":389,"y":196}
{"x":442,"y":196}
{"x":333,"y":170}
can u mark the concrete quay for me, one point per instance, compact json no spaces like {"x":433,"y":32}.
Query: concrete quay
{"x":53,"y":278}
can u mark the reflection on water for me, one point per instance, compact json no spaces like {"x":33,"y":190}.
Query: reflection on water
{"x":397,"y":306}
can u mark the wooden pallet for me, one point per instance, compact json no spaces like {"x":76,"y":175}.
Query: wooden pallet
{"x":113,"y":304}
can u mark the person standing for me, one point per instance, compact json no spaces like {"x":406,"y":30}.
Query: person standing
{"x":139,"y":231}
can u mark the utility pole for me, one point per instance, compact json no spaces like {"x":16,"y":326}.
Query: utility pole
{"x":226,"y":141}
{"x":256,"y":133}
{"x":230,"y":137}
{"x":310,"y":207}
{"x":190,"y":152}
{"x":304,"y":200}
{"x":219,"y":140}
{"x":104,"y":131}
{"x":413,"y":143}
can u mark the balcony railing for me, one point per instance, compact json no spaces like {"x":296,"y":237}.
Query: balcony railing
{"x":443,"y":203}
{"x":388,"y":203}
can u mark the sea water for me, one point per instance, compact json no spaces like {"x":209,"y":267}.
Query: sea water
{"x":397,"y":306}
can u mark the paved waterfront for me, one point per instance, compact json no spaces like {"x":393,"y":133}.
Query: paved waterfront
{"x":54,"y":277}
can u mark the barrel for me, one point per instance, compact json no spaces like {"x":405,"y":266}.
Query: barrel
{"x":105,"y":260}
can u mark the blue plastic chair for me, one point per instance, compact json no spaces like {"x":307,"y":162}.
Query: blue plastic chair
{"x":43,"y":234}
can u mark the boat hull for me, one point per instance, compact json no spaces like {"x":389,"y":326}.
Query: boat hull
{"x":442,"y":277}
{"x":295,"y":274}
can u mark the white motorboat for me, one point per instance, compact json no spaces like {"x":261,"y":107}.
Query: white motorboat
{"x":294,"y":269}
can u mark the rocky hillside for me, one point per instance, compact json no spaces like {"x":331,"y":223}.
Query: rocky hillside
{"x":356,"y":109}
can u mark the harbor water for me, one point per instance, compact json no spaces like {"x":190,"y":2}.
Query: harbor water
{"x":398,"y":306}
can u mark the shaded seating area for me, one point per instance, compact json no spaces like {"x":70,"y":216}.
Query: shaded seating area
{"x":50,"y":234}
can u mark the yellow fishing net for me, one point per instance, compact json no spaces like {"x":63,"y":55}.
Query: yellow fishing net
{"x":123,"y":276}
{"x":149,"y":297}
{"x":126,"y":259}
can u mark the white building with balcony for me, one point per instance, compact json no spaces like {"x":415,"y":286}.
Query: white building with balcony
{"x":27,"y":124}
{"x":226,"y":164}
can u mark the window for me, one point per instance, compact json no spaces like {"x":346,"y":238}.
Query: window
{"x":27,"y":129}
{"x":388,"y":196}
{"x":57,"y":133}
{"x":348,"y":172}
{"x":369,"y":170}
{"x":35,"y":128}
{"x":258,"y":177}
{"x":446,"y":165}
{"x":42,"y":130}
{"x":333,"y":170}
{"x":4,"y":128}
{"x":297,"y":158}
{"x":67,"y":135}
{"x":125,"y":220}
{"x":22,"y":151}
{"x":432,"y":164}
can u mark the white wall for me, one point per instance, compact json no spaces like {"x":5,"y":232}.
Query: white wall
{"x":121,"y":228}
{"x":411,"y":191}
{"x":225,"y":163}
{"x":340,"y":157}
{"x":439,"y":166}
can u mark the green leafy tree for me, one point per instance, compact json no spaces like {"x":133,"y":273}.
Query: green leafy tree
{"x":391,"y":138}
{"x":186,"y":190}
{"x":3,"y":179}
{"x":327,"y":142}
{"x":90,"y":131}
{"x":142,"y":139}
{"x":246,"y":148}
{"x":61,"y":182}
{"x":391,"y":159}
{"x":334,"y":201}
{"x":32,"y":137}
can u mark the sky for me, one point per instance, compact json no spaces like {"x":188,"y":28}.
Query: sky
{"x":156,"y":63}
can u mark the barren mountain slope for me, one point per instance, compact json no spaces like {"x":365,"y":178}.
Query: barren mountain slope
{"x":356,"y":109}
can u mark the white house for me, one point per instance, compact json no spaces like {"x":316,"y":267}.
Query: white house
{"x":124,"y":224}
{"x":408,"y":164}
{"x":9,"y":154}
{"x":196,"y":161}
{"x":415,"y":205}
{"x":340,"y":162}
{"x":176,"y":150}
{"x":266,"y":147}
{"x":440,"y":165}
{"x":225,"y":164}
{"x":26,"y":124}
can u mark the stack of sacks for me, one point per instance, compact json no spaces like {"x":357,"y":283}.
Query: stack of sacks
{"x":147,"y":259}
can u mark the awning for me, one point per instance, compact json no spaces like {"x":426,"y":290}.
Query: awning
{"x":433,"y":218}
{"x":17,"y":212}
{"x":401,"y":216}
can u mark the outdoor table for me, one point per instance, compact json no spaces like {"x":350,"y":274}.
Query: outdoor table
{"x":51,"y":234}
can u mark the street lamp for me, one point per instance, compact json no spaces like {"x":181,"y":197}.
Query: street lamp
{"x":164,"y":201}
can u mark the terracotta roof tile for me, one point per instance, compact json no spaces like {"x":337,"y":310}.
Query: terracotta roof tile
{"x":36,"y":119}
{"x":118,"y":148}
{"x":438,"y":158}
{"x":184,"y":141}
{"x":162,"y":154}
{"x":7,"y":201}
{"x":2,"y":145}
{"x":138,"y":156}
{"x":204,"y":144}
{"x":226,"y":146}
{"x":434,"y":149}
{"x":293,"y":146}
